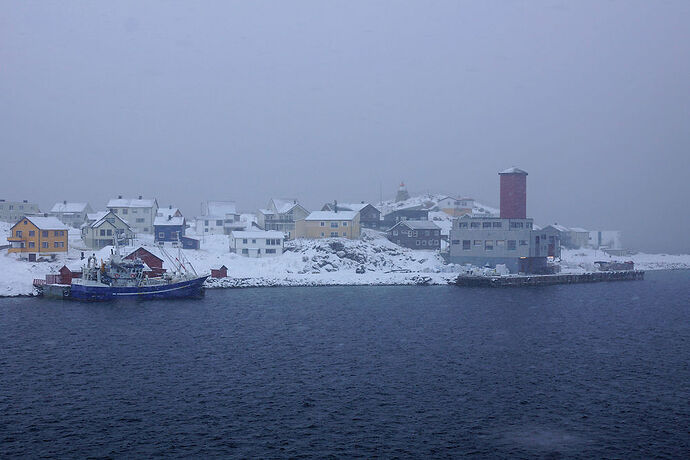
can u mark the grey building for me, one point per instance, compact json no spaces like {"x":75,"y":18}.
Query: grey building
{"x":12,"y":211}
{"x":416,"y":234}
{"x":138,"y":213}
{"x":106,"y":226}
{"x":399,"y":215}
{"x":72,"y":214}
{"x":489,"y":241}
{"x":281,"y":215}
{"x":369,"y":215}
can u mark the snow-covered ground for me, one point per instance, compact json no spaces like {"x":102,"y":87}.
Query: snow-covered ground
{"x":309,"y":263}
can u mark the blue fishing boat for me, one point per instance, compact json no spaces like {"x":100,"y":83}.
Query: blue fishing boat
{"x":119,"y":278}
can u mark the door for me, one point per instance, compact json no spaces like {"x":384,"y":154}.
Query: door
{"x":32,"y":257}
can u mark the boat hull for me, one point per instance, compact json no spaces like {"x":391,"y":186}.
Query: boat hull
{"x":180,"y":290}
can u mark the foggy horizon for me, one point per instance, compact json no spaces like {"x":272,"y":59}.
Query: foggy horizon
{"x":244,"y":102}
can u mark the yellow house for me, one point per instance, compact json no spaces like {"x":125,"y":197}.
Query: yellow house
{"x":329,"y":224}
{"x":38,"y":236}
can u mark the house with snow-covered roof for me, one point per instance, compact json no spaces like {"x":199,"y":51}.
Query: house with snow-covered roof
{"x":416,"y":234}
{"x":257,"y":243}
{"x":329,"y":224}
{"x":455,"y":207}
{"x":369,"y":215}
{"x":11,"y":211}
{"x":33,"y":237}
{"x":281,"y":215}
{"x":70,"y":213}
{"x":105,"y":228}
{"x":218,"y":218}
{"x":139,"y":213}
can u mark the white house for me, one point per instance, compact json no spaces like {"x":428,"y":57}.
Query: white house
{"x":138,"y":213}
{"x":218,"y":218}
{"x":257,"y":243}
{"x":69,"y":213}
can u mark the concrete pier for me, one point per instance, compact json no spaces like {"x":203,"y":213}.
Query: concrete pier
{"x":544,"y":280}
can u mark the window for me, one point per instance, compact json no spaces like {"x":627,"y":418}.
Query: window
{"x":124,"y":211}
{"x":465,"y":245}
{"x":140,"y":220}
{"x":109,"y":232}
{"x":18,"y":233}
{"x":344,"y":233}
{"x":270,"y":251}
{"x":489,"y":245}
{"x":206,"y":223}
{"x":334,"y":224}
{"x":56,"y":244}
{"x":219,"y":223}
{"x":478,"y":242}
{"x":475,"y":224}
{"x":516,"y":225}
{"x":334,"y":234}
{"x":395,"y":233}
{"x":323,"y":224}
{"x":511,"y":245}
{"x":102,"y":232}
{"x":33,"y":233}
{"x":426,"y":232}
{"x":414,"y":233}
{"x":417,"y":242}
{"x":486,"y":224}
{"x":244,"y":240}
{"x":206,"y":230}
{"x":45,"y":244}
{"x":245,"y":251}
{"x":44,"y":233}
{"x":11,"y":207}
{"x":322,"y":234}
{"x":523,"y":242}
{"x":146,"y":229}
{"x":32,"y":244}
{"x":462,"y":224}
{"x":497,"y":224}
{"x":258,"y":251}
{"x":344,"y":224}
{"x":134,"y":211}
{"x":500,"y":243}
{"x":423,"y":242}
{"x":161,"y":234}
{"x":253,"y":240}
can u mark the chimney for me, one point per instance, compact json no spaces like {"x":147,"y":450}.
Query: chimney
{"x":119,"y":197}
{"x":25,"y":201}
{"x":335,"y":205}
{"x":140,"y":197}
{"x":513,"y":193}
{"x":64,"y":201}
{"x":169,"y":206}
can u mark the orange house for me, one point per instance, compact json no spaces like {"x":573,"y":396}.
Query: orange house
{"x":35,"y":236}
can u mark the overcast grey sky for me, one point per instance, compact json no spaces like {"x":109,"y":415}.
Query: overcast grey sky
{"x":322,"y":100}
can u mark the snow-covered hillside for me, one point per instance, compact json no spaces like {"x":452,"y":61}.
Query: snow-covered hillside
{"x":429,"y":201}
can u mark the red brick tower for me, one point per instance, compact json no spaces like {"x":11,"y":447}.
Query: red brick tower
{"x":513,"y":194}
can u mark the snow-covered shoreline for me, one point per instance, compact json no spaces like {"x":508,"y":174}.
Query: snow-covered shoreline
{"x":329,"y":262}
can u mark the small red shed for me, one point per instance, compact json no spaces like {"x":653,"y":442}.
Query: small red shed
{"x":222,"y":272}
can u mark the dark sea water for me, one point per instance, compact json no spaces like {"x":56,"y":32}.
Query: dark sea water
{"x":590,"y":371}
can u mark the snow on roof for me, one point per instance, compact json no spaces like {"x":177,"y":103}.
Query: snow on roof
{"x":46,"y":223}
{"x":169,"y":211}
{"x":130,"y":203}
{"x":220,"y":208}
{"x":68,"y":207}
{"x":331,"y":215}
{"x":266,"y":212}
{"x":168,"y":220}
{"x":513,"y":170}
{"x":578,"y":230}
{"x":419,"y":224}
{"x":100,"y":217}
{"x":560,"y":228}
{"x":284,"y":205}
{"x":257,"y":234}
{"x":94,"y":215}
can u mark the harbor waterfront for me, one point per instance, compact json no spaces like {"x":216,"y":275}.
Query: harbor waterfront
{"x":582,"y":370}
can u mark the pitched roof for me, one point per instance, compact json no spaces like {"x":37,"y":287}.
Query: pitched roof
{"x":220,"y":208}
{"x":513,"y":170}
{"x":284,"y":205}
{"x":331,"y":215}
{"x":130,"y":203}
{"x":257,"y":234}
{"x":46,"y":223}
{"x":100,"y":218}
{"x":560,"y":228}
{"x":169,"y":220}
{"x":69,"y":207}
{"x":418,"y":224}
{"x":169,"y":211}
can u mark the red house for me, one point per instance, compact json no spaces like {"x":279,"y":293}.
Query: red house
{"x":222,"y":272}
{"x":154,"y":262}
